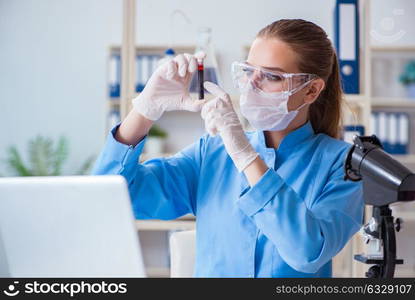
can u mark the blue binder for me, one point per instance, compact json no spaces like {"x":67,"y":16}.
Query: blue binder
{"x":140,"y":82}
{"x":393,"y":135}
{"x":115,"y":75}
{"x":347,"y":43}
{"x":349,"y":131}
{"x":403,"y":133}
{"x":357,"y":129}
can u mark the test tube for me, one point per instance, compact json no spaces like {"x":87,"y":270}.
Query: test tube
{"x":200,"y":79}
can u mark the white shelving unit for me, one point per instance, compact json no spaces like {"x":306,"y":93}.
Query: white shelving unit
{"x":124,"y":104}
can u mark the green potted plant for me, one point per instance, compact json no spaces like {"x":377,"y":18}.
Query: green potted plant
{"x":155,"y":140}
{"x":44,"y":158}
{"x":407,"y":78}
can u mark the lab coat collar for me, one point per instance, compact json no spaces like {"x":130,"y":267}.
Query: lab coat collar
{"x":286,"y":147}
{"x":291,"y":140}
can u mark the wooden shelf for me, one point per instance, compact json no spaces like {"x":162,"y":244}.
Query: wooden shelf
{"x":407,"y":48}
{"x":114,"y":103}
{"x":356,"y":100}
{"x":380,"y":102}
{"x":355,"y":97}
{"x":157,"y":49}
{"x":160,"y":225}
{"x":158,"y":272}
{"x":393,"y":102}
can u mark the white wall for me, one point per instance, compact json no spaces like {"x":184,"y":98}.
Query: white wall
{"x":53,"y":55}
{"x":53,"y":71}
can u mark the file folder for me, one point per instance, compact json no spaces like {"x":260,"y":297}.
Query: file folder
{"x":146,"y":65}
{"x":393,"y":133}
{"x":114,"y":75}
{"x":403,"y":134}
{"x":347,"y":43}
{"x":351,"y":130}
{"x":140,"y":81}
{"x":392,"y":129}
{"x":383,"y":130}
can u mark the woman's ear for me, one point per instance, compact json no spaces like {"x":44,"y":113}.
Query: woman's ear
{"x":314,"y":90}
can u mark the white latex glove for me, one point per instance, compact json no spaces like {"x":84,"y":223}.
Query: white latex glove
{"x":168,"y":88}
{"x":220,"y":117}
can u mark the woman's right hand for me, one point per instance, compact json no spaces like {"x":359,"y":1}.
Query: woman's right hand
{"x":168,"y":88}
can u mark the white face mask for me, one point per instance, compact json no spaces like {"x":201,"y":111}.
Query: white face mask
{"x":267,"y":112}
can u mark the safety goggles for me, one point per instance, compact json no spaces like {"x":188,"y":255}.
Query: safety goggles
{"x":268,"y":82}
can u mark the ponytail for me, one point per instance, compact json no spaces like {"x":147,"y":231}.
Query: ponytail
{"x":325,"y":112}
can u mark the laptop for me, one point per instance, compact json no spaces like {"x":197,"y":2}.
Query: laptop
{"x":69,"y":226}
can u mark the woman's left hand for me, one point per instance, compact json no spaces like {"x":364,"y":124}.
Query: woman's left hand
{"x":221,"y":118}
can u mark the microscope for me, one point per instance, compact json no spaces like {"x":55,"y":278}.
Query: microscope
{"x":385,"y":181}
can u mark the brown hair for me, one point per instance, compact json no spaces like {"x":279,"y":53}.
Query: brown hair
{"x":316,"y":56}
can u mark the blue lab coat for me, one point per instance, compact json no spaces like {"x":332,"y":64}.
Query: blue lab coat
{"x":290,"y":223}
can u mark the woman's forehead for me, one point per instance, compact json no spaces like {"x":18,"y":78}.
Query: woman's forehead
{"x":273,"y":54}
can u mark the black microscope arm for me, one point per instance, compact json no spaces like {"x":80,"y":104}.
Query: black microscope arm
{"x":385,"y":181}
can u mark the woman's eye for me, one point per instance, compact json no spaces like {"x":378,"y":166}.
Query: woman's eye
{"x":248,"y":71}
{"x":272,"y":77}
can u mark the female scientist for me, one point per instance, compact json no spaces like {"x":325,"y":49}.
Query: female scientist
{"x":268,"y":203}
